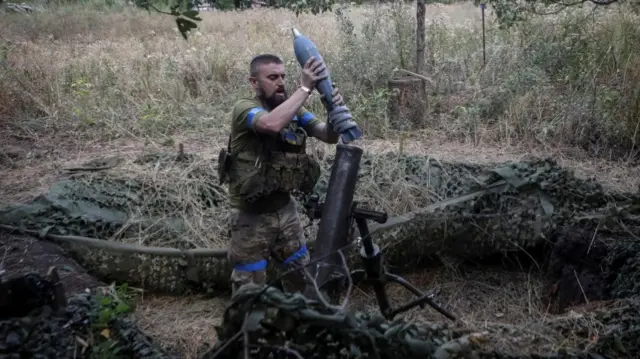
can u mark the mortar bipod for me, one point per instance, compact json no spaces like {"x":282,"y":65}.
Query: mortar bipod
{"x":374,"y":271}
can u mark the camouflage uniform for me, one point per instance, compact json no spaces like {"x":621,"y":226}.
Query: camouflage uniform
{"x":262,"y":170}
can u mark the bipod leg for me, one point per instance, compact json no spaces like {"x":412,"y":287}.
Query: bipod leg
{"x":397,"y":279}
{"x":424,"y":298}
{"x":376,"y":273}
{"x":373,"y":268}
{"x":357,"y":276}
{"x":379,"y":277}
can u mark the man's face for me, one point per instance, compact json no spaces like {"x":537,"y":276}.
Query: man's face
{"x":269,"y":84}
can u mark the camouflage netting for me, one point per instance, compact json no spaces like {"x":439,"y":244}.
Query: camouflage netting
{"x":36,"y":323}
{"x":513,"y":207}
{"x":102,"y":203}
{"x":291,"y":326}
{"x":509,"y":207}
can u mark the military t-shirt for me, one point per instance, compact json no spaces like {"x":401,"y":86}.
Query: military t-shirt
{"x":244,"y":138}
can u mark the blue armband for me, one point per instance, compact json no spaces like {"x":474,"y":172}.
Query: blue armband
{"x":251,"y":267}
{"x":252,"y":114}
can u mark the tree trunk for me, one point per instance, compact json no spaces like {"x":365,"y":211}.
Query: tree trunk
{"x":421,"y":105}
{"x":420,"y":34}
{"x":404,"y":108}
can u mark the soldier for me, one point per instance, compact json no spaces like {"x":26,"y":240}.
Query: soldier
{"x":265,"y":160}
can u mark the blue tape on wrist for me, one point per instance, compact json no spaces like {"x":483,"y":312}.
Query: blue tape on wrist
{"x":297,"y":255}
{"x":251,"y":267}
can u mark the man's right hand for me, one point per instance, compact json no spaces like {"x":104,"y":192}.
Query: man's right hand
{"x":312,"y":72}
{"x":275,"y":120}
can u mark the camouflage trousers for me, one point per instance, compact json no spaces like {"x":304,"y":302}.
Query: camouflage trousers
{"x":256,"y":238}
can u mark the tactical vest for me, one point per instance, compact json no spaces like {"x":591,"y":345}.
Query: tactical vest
{"x":281,"y":166}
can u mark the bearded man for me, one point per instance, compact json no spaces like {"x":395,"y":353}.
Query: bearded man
{"x":265,"y":161}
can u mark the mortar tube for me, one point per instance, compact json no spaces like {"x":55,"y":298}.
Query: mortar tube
{"x":336,"y":214}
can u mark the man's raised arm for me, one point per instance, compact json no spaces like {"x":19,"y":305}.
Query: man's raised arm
{"x":279,"y":118}
{"x":274,"y":121}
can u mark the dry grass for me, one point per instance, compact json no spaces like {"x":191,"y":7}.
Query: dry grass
{"x":477,"y":297}
{"x":140,"y":79}
{"x":81,"y":82}
{"x":185,"y":325}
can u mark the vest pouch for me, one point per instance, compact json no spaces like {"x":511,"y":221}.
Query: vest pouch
{"x":292,"y":174}
{"x":311,"y":175}
{"x":282,"y":171}
{"x":294,"y":171}
{"x":273,"y":173}
{"x":252,"y":185}
{"x":224,"y":165}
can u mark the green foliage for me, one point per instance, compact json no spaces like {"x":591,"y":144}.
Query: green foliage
{"x":231,"y":4}
{"x":509,"y":12}
{"x":185,"y":13}
{"x":305,"y":6}
{"x":112,"y":304}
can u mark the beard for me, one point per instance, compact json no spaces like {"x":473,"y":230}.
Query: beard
{"x":275,"y":100}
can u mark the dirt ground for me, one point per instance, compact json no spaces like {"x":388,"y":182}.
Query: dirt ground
{"x":22,"y":254}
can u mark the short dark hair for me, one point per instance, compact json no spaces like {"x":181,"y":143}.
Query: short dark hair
{"x":263,"y":59}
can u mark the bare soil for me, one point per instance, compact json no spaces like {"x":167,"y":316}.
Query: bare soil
{"x":22,"y":254}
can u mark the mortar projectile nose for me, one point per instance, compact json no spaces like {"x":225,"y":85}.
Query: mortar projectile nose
{"x":296,"y":33}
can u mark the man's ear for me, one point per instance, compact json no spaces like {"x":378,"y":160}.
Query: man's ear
{"x":253,"y":81}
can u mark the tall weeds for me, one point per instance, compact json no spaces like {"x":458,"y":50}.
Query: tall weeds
{"x":106,"y":69}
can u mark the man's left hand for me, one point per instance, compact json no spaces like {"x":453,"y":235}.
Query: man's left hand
{"x":337,"y":99}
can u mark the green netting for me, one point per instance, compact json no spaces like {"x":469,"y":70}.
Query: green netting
{"x":277,"y":325}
